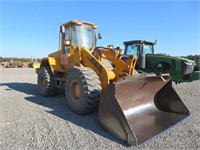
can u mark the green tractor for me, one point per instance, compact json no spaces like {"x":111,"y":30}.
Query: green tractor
{"x":180,"y":69}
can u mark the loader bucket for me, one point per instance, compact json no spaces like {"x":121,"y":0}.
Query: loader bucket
{"x":135,"y":110}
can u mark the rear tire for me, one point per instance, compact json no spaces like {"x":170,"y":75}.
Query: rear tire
{"x":82,"y":90}
{"x":46,"y":82}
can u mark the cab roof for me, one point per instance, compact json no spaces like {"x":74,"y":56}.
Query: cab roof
{"x":139,"y":42}
{"x":79,"y":21}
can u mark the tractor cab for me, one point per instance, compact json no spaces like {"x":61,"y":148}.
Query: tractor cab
{"x":78,"y":33}
{"x":139,"y":48}
{"x":72,"y":35}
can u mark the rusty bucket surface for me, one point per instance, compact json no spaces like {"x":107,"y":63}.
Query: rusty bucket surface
{"x":134,"y":110}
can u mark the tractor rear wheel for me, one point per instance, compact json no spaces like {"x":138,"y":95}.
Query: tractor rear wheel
{"x":82,"y":90}
{"x":46,"y":82}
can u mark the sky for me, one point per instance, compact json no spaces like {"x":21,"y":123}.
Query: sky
{"x":30,"y":28}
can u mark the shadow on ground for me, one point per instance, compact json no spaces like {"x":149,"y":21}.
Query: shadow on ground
{"x":59,"y":108}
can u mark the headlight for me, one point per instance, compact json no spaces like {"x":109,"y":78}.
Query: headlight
{"x":187,"y":67}
{"x":79,"y":23}
{"x":110,"y":46}
{"x":188,"y":63}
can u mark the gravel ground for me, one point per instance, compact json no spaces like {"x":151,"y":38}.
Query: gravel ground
{"x":29,"y":121}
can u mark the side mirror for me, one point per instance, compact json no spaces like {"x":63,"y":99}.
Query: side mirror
{"x":118,"y":48}
{"x":99,"y":36}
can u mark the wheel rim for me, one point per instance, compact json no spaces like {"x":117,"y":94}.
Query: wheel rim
{"x":42,"y":82}
{"x":75,"y":90}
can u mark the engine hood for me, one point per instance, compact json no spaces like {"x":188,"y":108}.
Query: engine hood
{"x":163,"y":56}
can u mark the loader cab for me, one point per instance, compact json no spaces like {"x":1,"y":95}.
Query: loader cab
{"x":140,"y":49}
{"x":78,"y":33}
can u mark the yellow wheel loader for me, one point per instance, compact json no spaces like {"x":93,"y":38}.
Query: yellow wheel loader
{"x":133,"y":107}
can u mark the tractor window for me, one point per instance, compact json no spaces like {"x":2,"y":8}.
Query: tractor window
{"x":83,"y":35}
{"x":67,"y":33}
{"x":148,"y":49}
{"x":133,"y":50}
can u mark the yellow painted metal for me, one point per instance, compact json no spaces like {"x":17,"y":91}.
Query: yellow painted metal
{"x":76,"y":22}
{"x":131,"y":62}
{"x":121,"y":68}
{"x":54,"y":64}
{"x":88,"y":60}
{"x":54,"y":61}
{"x":94,"y":59}
{"x":77,"y":56}
{"x":36,"y":65}
{"x":111,"y":75}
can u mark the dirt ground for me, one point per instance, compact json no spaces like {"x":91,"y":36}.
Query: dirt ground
{"x":30,"y":121}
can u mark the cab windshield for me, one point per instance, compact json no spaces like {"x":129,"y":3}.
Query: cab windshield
{"x":83,"y":35}
{"x":134,"y":49}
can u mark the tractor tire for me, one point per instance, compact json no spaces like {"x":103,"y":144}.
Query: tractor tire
{"x":82,"y":90}
{"x":46,"y":82}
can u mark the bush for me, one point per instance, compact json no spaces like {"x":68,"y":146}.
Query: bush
{"x":31,"y":64}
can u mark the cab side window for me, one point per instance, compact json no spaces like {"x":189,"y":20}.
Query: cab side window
{"x":148,"y":49}
{"x":67,"y":34}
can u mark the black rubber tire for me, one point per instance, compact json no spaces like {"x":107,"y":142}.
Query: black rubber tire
{"x":89,"y":88}
{"x":46,"y":82}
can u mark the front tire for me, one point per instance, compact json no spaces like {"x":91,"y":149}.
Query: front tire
{"x":46,"y":82}
{"x":82,"y":90}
